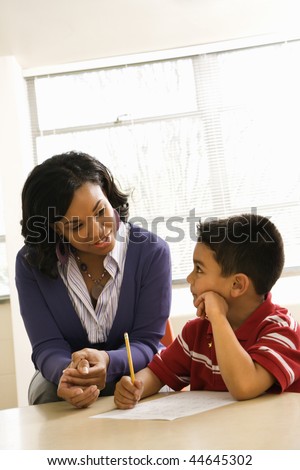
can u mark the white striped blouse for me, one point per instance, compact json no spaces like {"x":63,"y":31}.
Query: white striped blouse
{"x":98,"y":321}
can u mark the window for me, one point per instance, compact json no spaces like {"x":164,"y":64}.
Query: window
{"x":192,"y":137}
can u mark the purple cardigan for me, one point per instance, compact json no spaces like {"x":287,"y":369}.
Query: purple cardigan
{"x":55,"y":330}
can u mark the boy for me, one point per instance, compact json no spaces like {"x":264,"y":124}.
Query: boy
{"x":241,"y":341}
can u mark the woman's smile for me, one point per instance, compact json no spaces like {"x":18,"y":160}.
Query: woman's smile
{"x":103,"y":242}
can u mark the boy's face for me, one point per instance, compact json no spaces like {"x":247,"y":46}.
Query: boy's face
{"x":206,"y":275}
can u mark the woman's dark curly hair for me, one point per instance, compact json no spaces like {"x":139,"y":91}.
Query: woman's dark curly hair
{"x":47,"y":195}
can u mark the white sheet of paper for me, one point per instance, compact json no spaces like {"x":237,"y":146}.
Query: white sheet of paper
{"x":172,"y":406}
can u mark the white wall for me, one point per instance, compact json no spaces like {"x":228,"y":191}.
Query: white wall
{"x":35,"y":34}
{"x":40,"y":33}
{"x":15,"y":149}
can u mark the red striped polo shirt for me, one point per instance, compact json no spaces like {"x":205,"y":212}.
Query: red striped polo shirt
{"x":270,"y":335}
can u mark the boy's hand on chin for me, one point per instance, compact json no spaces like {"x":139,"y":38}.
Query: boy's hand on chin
{"x":210,"y":304}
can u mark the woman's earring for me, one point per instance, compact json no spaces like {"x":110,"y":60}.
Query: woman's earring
{"x":117,"y":219}
{"x":62,"y":251}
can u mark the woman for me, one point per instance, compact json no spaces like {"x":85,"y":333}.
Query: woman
{"x":84,"y":277}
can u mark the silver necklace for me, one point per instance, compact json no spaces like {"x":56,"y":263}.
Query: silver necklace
{"x":97,"y":287}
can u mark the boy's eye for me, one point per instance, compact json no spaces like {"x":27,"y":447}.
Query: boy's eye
{"x":198,"y":269}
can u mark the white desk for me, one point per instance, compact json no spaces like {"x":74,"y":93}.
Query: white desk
{"x":268,"y":422}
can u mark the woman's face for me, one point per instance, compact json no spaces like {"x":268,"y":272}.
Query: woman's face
{"x":89,"y":223}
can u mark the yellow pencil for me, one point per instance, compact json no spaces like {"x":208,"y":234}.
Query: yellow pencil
{"x":127,"y":344}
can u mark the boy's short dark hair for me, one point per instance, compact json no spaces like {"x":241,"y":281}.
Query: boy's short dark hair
{"x":248,"y":244}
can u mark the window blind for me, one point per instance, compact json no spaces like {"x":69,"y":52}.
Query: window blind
{"x":202,"y":136}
